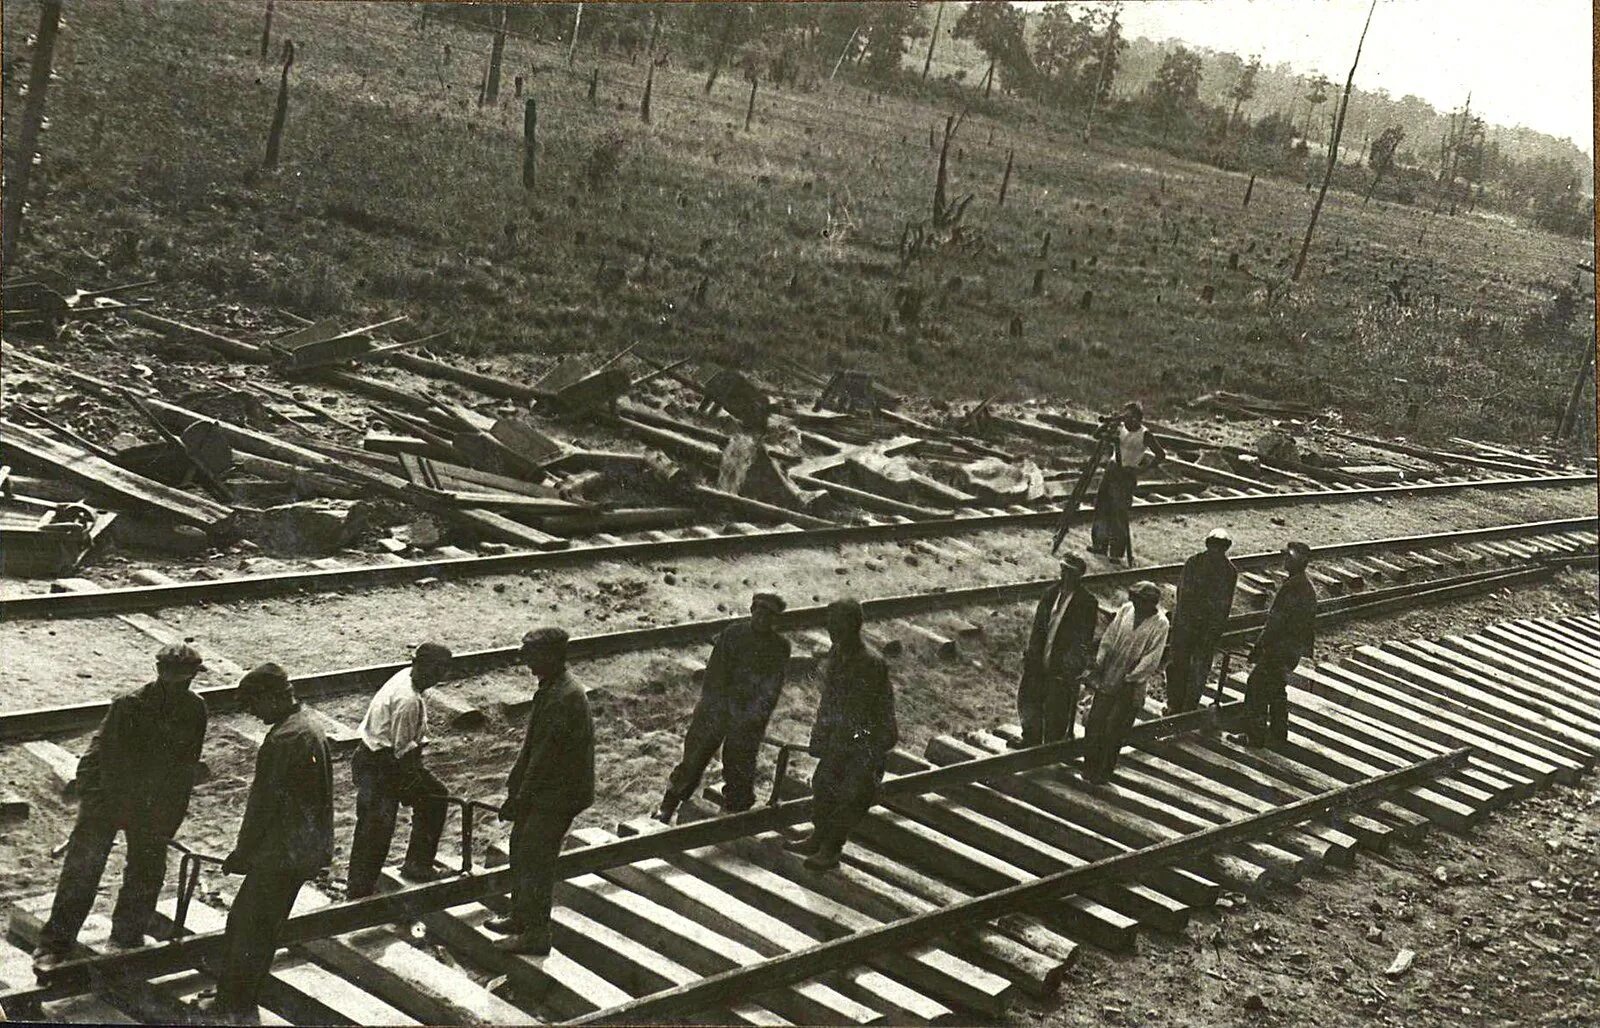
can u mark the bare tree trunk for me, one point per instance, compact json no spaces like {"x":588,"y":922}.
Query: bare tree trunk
{"x":939,"y":181}
{"x":281,"y":113}
{"x":649,"y":85}
{"x":491,"y":92}
{"x":1100,"y":80}
{"x":572,"y":45}
{"x":1376,"y":178}
{"x":844,"y":52}
{"x":988,"y":80}
{"x":1333,"y":147}
{"x":530,"y":142}
{"x":938,"y":19}
{"x":1005,"y":180}
{"x":16,"y":184}
{"x":266,"y":32}
{"x":750,"y":110}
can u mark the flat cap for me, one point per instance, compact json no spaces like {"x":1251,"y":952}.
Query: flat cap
{"x":540,"y":637}
{"x":432,"y":653}
{"x":179,"y":655}
{"x":1146,"y":589}
{"x":268,"y":677}
{"x":1219,"y":535}
{"x":768,"y":601}
{"x":1075,"y":562}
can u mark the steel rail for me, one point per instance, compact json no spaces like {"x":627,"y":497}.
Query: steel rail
{"x":138,"y":598}
{"x":86,"y":974}
{"x":786,"y":969}
{"x":44,"y":721}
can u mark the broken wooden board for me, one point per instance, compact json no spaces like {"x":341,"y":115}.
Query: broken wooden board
{"x":101,"y":475}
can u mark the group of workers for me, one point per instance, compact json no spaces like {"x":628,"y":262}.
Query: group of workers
{"x":139,"y":770}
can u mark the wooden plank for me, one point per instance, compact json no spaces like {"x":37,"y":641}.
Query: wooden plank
{"x":104,"y":477}
{"x":1558,"y":683}
{"x":58,"y":764}
{"x":926,"y":967}
{"x":1520,"y":685}
{"x":720,"y":911}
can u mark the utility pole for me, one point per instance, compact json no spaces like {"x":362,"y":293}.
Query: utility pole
{"x":27,"y":145}
{"x":1333,"y":148}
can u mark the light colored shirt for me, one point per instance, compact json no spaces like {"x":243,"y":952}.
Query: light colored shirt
{"x":1129,"y":652}
{"x":397,"y":717}
{"x":1131,"y":450}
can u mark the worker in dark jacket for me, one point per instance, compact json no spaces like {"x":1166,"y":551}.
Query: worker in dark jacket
{"x":286,"y":837}
{"x":1288,"y":636}
{"x":1060,"y":649}
{"x":1205,"y":598}
{"x":851,"y":738}
{"x":135,"y":778}
{"x":551,"y":783}
{"x":738,"y":692}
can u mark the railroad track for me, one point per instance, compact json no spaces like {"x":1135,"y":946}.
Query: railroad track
{"x":1355,"y":579}
{"x":699,"y":540}
{"x":980,"y":877}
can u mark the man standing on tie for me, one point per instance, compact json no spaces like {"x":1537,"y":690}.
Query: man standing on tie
{"x":1205,"y":598}
{"x":551,"y":783}
{"x":1060,"y":648}
{"x":388,"y":771}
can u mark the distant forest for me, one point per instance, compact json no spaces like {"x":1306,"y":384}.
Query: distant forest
{"x":1070,"y":66}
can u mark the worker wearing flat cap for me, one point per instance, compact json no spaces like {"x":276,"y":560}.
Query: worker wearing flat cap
{"x":388,"y":771}
{"x":738,"y":692}
{"x":1200,"y":616}
{"x":1128,"y":662}
{"x":285,"y":839}
{"x":551,"y":783}
{"x":136,"y":778}
{"x":1060,"y":649}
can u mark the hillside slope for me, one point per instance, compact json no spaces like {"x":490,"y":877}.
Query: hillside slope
{"x":396,"y":193}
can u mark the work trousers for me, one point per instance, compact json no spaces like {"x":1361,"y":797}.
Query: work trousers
{"x":1110,"y":718}
{"x":1113,"y":505}
{"x":843,"y":788}
{"x":1047,"y":706}
{"x":81,"y":868}
{"x":1266,"y":704}
{"x":1188,"y":668}
{"x":739,"y":751}
{"x":382,"y":784}
{"x":535,"y":845}
{"x":251,"y":938}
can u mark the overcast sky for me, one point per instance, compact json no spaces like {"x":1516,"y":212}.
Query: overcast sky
{"x":1525,"y":61}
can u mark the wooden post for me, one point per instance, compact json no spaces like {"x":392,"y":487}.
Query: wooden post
{"x":750,"y":110}
{"x":530,"y":141}
{"x":939,"y":206}
{"x":1569,"y":418}
{"x":988,"y":80}
{"x":16,"y":193}
{"x":497,"y":50}
{"x":266,"y":32}
{"x":1038,"y":282}
{"x":938,"y":19}
{"x":1248,"y":190}
{"x":572,"y":47}
{"x":1333,"y":149}
{"x":281,"y":113}
{"x":1044,"y":250}
{"x":649,"y":84}
{"x":1005,"y":180}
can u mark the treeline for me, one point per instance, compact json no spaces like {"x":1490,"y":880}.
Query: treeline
{"x":1073,"y":62}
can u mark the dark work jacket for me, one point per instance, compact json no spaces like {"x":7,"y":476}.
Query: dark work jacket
{"x":855,"y":716}
{"x":288,"y":820}
{"x":555,"y":770}
{"x":1291,"y":629}
{"x":1074,"y":639}
{"x":743,"y":680}
{"x":1205,"y":598}
{"x":139,"y":768}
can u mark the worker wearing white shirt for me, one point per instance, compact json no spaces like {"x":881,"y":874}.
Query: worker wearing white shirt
{"x":1128,"y":662}
{"x":388,"y":771}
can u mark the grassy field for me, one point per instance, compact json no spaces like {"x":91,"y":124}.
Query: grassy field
{"x":396,"y":193}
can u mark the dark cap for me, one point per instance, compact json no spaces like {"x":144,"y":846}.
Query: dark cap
{"x":545,"y":638}
{"x":265,"y":678}
{"x":431,"y":653}
{"x":1074,"y":562}
{"x":180,"y":655}
{"x":768,"y":601}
